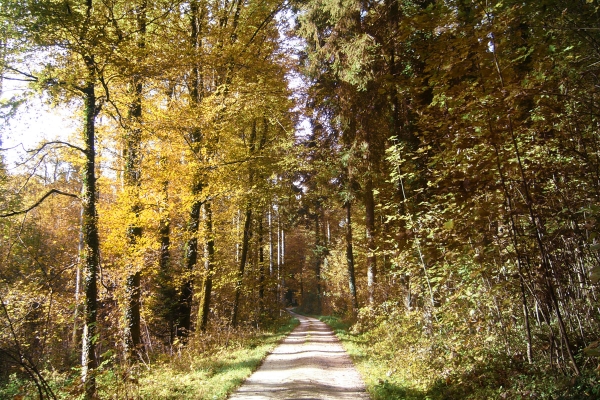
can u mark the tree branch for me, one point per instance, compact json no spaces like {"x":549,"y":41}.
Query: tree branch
{"x":31,"y":78}
{"x":57,"y":142}
{"x":268,"y":19}
{"x":37,"y":203}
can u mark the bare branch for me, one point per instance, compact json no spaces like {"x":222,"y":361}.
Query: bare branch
{"x":11,"y":148}
{"x":268,"y":19}
{"x":37,"y":203}
{"x":7,"y":78}
{"x":31,"y":77}
{"x":57,"y":142}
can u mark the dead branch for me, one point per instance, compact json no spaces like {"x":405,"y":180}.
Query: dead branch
{"x":37,"y":203}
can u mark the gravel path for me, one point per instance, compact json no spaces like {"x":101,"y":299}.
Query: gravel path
{"x":310,"y":363}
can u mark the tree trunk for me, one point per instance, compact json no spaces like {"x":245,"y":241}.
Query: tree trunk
{"x":166,"y":290}
{"x":242,"y":266}
{"x":261,"y":265}
{"x":280,"y":270}
{"x":350,"y":258}
{"x":271,"y":247}
{"x":78,"y":307}
{"x":204,"y":308}
{"x":370,"y":232}
{"x":247,"y":225}
{"x":191,"y":247}
{"x":132,"y":182}
{"x":132,"y":314}
{"x":189,"y":261}
{"x":274,"y":278}
{"x":318,"y":259}
{"x":91,"y":253}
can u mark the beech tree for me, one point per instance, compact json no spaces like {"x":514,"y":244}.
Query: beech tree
{"x":79,"y":41}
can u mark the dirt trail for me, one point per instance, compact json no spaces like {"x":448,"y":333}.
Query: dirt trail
{"x":310,"y":363}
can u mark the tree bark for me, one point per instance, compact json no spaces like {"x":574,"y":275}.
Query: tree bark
{"x":350,"y":258}
{"x":272,"y":271}
{"x":319,"y":248}
{"x":195,"y":137}
{"x":242,"y":265}
{"x":261,"y":265}
{"x":191,"y":256}
{"x":206,"y":290}
{"x":91,"y":253}
{"x":166,"y":290}
{"x":132,"y":314}
{"x":280,"y":257}
{"x":132,"y":182}
{"x":247,"y":224}
{"x":370,"y":232}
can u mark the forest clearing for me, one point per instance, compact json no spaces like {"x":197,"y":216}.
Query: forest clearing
{"x":421,"y":175}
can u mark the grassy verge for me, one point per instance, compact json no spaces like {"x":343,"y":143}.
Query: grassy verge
{"x":211,"y":374}
{"x":382,"y":384}
{"x":210,"y":367}
{"x":399,"y":362}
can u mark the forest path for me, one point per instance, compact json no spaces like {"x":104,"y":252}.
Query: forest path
{"x":310,"y":363}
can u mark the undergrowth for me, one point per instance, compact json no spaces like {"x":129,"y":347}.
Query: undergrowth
{"x":210,"y":366}
{"x":400,"y":359}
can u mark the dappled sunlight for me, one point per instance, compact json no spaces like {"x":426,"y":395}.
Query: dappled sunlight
{"x":309,"y":363}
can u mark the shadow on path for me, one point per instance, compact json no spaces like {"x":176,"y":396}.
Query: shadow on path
{"x":310,"y":363}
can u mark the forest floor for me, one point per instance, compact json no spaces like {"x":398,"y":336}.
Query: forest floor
{"x":310,"y":363}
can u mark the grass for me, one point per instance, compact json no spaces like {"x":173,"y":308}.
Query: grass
{"x":398,"y":362}
{"x":210,"y":367}
{"x":212,"y":374}
{"x":395,"y":357}
{"x":381,"y":381}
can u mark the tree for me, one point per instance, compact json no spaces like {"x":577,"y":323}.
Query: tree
{"x":132,"y":181}
{"x":80,"y":44}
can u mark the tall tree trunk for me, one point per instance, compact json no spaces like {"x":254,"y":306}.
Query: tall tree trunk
{"x":280,"y":271}
{"x":132,"y":174}
{"x":189,"y":261}
{"x":78,"y":307}
{"x":261,"y":265}
{"x":91,"y":245}
{"x":271,"y":247}
{"x":242,"y":265}
{"x":191,"y":248}
{"x":132,"y":314}
{"x":248,"y":222}
{"x":282,"y":265}
{"x":166,"y":290}
{"x":319,"y":248}
{"x":272,"y":271}
{"x":370,"y":232}
{"x":350,"y":258}
{"x":209,"y":267}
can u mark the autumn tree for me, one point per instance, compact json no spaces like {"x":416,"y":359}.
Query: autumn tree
{"x":79,"y":40}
